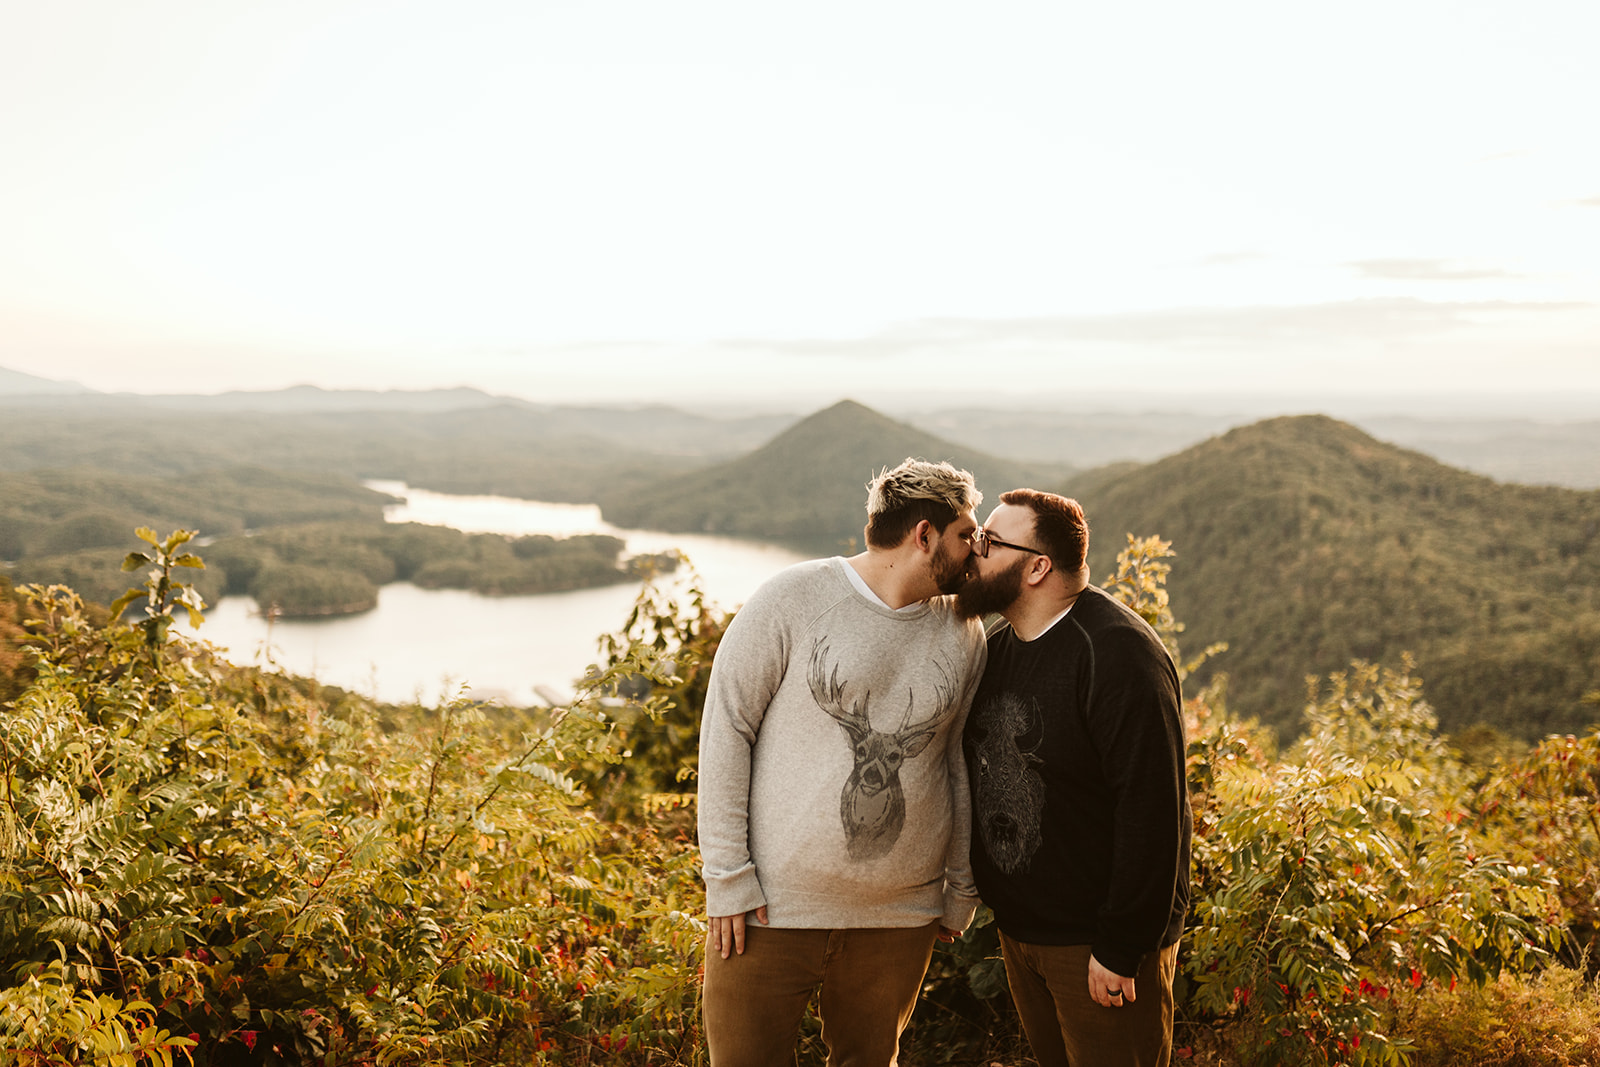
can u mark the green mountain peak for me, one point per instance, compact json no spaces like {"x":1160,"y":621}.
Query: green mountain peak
{"x":1306,"y":544}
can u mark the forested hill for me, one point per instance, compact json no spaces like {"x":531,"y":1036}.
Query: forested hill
{"x":807,"y":486}
{"x":1305,"y":543}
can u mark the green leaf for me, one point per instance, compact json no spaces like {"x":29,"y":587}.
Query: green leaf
{"x":119,"y":605}
{"x":176,"y":538}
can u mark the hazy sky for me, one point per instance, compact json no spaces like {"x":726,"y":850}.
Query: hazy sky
{"x":576,"y":201}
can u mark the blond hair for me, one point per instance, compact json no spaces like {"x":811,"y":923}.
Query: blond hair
{"x":900,"y":498}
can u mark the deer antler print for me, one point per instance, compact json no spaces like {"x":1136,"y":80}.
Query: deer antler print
{"x":872,"y":805}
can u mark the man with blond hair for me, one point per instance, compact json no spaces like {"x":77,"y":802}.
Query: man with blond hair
{"x":1081,"y":825}
{"x":833,"y":794}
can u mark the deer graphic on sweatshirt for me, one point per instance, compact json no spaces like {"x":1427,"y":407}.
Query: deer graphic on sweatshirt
{"x":872,"y":805}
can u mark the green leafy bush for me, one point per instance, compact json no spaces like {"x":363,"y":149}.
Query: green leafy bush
{"x":222,"y":865}
{"x":1326,"y":881}
{"x":1545,"y":807}
{"x":207,"y":863}
{"x":14,"y":673}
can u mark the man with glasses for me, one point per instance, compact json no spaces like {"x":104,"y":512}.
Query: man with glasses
{"x":833,"y":791}
{"x":1081,"y":824}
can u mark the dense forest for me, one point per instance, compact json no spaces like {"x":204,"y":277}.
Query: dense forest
{"x":1306,"y":544}
{"x":54,"y":511}
{"x":208,"y":864}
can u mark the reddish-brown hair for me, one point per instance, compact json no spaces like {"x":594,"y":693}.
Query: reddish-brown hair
{"x":1059,"y":529}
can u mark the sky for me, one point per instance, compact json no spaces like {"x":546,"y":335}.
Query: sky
{"x":1040,"y":203}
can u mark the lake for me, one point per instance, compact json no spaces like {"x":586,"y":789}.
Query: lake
{"x":423,"y":644}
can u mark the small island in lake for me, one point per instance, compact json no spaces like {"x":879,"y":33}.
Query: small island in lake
{"x":331,"y":569}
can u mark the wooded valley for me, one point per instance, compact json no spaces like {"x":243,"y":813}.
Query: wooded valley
{"x":1305,"y":543}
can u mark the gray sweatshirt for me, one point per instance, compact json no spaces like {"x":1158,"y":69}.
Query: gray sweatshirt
{"x":832,"y":785}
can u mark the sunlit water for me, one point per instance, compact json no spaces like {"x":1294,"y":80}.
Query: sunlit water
{"x":425,"y":644}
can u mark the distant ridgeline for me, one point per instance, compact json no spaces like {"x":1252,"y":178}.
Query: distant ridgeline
{"x":1302,"y":542}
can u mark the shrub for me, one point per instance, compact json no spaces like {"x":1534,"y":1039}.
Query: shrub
{"x":1544,"y":807}
{"x":207,"y":860}
{"x":204,"y":861}
{"x":1547,"y":1019}
{"x":1325,"y":882}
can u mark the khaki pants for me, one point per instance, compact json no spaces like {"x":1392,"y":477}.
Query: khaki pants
{"x":869,"y":980}
{"x":1050,"y":985}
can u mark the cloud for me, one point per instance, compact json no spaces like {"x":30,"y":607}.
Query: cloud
{"x":1424,"y":270}
{"x":1244,"y":328}
{"x":1589,"y":201}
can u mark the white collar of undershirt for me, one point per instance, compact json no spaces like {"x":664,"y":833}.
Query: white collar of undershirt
{"x":1051,"y":624}
{"x":866,"y":590}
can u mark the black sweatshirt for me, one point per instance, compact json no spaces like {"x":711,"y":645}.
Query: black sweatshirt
{"x":1075,"y":757}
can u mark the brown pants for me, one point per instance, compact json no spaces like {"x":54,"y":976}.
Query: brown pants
{"x":868,"y":979}
{"x":1050,"y":985}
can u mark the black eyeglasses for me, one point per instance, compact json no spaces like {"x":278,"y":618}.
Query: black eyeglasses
{"x":981,"y":540}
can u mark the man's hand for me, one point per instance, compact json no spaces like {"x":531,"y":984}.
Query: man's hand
{"x":948,"y":935}
{"x":727,"y":931}
{"x":1103,"y":983}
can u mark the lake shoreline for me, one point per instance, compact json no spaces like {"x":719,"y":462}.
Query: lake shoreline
{"x":419,"y":645}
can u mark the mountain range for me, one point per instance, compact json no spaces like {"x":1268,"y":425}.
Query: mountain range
{"x":1539,"y":451}
{"x":1302,"y":541}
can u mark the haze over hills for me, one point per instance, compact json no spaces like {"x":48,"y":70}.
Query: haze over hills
{"x":807,"y":486}
{"x":15,"y":384}
{"x":646,"y":428}
{"x":1509,"y":449}
{"x":1559,"y":447}
{"x":1305,"y":543}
